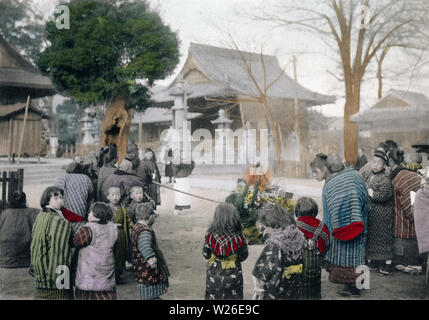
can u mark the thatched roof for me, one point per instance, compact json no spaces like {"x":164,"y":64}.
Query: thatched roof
{"x":7,"y":111}
{"x":226,"y":76}
{"x":23,"y":74}
{"x":395,"y":105}
{"x":158,"y":115}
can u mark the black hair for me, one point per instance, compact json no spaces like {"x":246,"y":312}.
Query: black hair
{"x":320,"y":162}
{"x":108,"y":155}
{"x":384,"y":146}
{"x":391,"y":145}
{"x":17,"y":200}
{"x":102,"y":211}
{"x":396,"y":155}
{"x":274,"y":216}
{"x":48,"y":193}
{"x":306,"y":206}
{"x":77,"y":168}
{"x":153,"y":153}
{"x":143,"y":211}
{"x":334,"y":163}
{"x":226,"y":219}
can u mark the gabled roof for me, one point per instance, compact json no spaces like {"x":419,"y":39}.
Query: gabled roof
{"x":395,"y":105}
{"x":12,"y":109}
{"x":24,"y":76}
{"x":228,"y":76}
{"x":411,"y":98}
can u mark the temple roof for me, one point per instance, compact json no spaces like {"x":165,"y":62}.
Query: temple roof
{"x":222,"y":73}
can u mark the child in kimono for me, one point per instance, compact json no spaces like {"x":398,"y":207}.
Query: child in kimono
{"x":137,"y":196}
{"x":51,"y":247}
{"x":95,"y":276}
{"x":124,"y":224}
{"x":225,"y":248}
{"x":316,"y":235}
{"x":150,"y":268}
{"x":278,"y":271}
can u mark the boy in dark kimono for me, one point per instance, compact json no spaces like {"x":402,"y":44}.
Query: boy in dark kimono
{"x":316,"y":235}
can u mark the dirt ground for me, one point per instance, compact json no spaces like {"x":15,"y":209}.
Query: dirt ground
{"x":181,"y":239}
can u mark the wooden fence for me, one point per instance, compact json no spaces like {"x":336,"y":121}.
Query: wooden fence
{"x":11,"y":181}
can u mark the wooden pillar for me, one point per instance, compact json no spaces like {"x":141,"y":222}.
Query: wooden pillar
{"x":3,"y":189}
{"x":21,"y":140}
{"x":20,"y":179}
{"x":10,"y":139}
{"x":140,"y":129}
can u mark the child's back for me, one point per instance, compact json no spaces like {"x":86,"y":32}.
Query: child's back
{"x":50,"y":248}
{"x":96,"y":264}
{"x":316,"y":235}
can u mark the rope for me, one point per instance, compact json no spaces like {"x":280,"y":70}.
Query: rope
{"x":189,"y":194}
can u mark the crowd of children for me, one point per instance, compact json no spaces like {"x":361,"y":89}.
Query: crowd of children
{"x":367,"y":219}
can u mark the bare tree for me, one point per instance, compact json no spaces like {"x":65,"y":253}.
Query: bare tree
{"x":359,"y":32}
{"x":262,"y":90}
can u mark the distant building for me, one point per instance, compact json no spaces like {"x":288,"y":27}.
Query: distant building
{"x":402,"y":116}
{"x":18,"y":80}
{"x":212,"y":74}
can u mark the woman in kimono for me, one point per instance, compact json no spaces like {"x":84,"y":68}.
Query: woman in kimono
{"x":225,"y":248}
{"x":379,"y":240}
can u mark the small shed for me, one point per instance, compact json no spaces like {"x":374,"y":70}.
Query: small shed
{"x":11,"y":122}
{"x":402,"y":116}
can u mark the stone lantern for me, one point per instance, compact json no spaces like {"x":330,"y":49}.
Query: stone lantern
{"x":221,"y":146}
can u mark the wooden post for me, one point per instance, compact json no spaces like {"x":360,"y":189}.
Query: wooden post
{"x":12,"y":177}
{"x":3,"y":189}
{"x":23,"y":128}
{"x":21,"y":180}
{"x":140,"y":129}
{"x":10,"y":140}
{"x":242,"y":115}
{"x":296,"y":112}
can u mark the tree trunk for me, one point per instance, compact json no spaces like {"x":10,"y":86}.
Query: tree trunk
{"x":116,"y":125}
{"x":351,"y":131}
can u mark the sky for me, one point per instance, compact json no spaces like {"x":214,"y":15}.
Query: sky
{"x":209,"y":22}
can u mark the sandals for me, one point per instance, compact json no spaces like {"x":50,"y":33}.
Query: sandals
{"x":409,"y":269}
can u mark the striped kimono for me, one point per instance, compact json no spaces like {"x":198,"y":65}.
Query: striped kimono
{"x":78,"y":192}
{"x":51,"y":247}
{"x":405,"y":248}
{"x":346,"y":206}
{"x":403,"y":183}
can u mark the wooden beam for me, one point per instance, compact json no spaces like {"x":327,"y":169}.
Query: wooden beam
{"x":23,"y":129}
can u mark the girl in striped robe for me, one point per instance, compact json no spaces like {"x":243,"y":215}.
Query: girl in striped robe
{"x":51,"y":248}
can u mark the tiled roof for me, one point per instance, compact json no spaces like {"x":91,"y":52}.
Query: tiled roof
{"x":226,"y":70}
